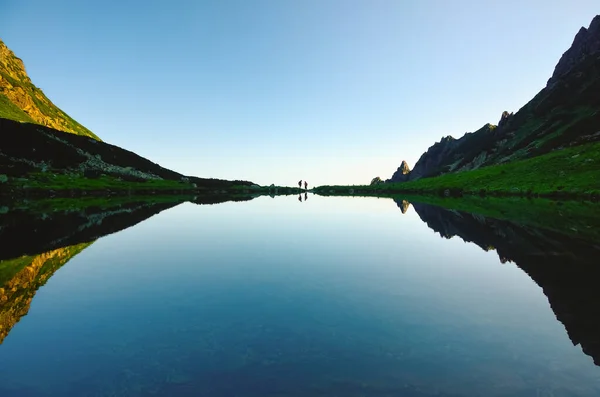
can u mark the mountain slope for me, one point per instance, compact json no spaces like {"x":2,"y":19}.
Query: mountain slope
{"x":564,"y":113}
{"x":21,"y":100}
{"x":44,"y":152}
{"x":36,"y":159}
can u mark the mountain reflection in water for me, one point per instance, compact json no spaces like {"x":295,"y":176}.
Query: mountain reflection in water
{"x":566,"y":268}
{"x":36,"y":245}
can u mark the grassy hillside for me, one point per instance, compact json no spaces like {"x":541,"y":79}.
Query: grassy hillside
{"x":36,"y":160}
{"x":21,"y":100}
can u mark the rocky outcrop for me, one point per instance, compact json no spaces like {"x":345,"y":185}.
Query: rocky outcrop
{"x":586,"y":44}
{"x":432,"y":162}
{"x":401,"y":174}
{"x":505,"y":119}
{"x":27,"y":102}
{"x":448,"y":154}
{"x":564,"y":267}
{"x":403,"y":205}
{"x":376,"y":181}
{"x":564,"y":113}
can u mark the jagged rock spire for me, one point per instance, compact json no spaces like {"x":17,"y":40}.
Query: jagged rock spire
{"x":585,"y":44}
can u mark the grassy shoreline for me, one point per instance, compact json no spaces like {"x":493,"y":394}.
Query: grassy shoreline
{"x":569,"y":173}
{"x":61,"y":185}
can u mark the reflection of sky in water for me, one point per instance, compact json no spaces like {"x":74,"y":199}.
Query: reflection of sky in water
{"x":332,"y":296}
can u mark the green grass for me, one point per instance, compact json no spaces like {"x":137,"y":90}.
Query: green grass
{"x":573,"y":218}
{"x":570,"y":172}
{"x":50,"y":205}
{"x":9,"y":268}
{"x":52,"y":181}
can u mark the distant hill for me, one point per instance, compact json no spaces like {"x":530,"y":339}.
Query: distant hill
{"x":565,"y":113}
{"x":21,"y":100}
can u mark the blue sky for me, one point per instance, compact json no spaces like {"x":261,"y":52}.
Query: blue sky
{"x":273,"y":91}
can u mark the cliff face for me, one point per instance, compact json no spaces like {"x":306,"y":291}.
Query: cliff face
{"x":564,"y":113}
{"x":564,"y":267}
{"x":21,"y":100}
{"x":586,"y":44}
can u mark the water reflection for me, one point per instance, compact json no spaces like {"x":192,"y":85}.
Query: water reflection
{"x":24,"y":232}
{"x":185,"y":317}
{"x":566,"y":268}
{"x":36,"y":243}
{"x":20,"y":279}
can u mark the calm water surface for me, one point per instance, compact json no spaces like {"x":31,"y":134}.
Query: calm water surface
{"x":273,"y":297}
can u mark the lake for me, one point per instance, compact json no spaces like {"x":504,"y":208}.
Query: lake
{"x":330,"y":296}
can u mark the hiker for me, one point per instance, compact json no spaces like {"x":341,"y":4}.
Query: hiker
{"x":305,"y":185}
{"x":300,"y":184}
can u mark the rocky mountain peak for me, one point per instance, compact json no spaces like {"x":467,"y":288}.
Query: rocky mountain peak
{"x":506,"y":116}
{"x":10,"y":64}
{"x":401,"y":174}
{"x":404,"y":168}
{"x":585,"y":44}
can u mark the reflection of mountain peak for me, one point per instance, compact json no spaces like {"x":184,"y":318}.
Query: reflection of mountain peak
{"x":22,"y":277}
{"x":403,"y":205}
{"x":564,"y":267}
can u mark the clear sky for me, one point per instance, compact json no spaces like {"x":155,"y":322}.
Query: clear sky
{"x":273,"y":91}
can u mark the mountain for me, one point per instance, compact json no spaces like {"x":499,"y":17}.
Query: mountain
{"x":564,"y":113}
{"x":44,"y":152}
{"x":21,"y":100}
{"x":37,"y":160}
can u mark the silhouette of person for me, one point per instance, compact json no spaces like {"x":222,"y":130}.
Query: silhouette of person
{"x":305,"y":196}
{"x":300,"y":197}
{"x":305,"y":185}
{"x":300,"y":184}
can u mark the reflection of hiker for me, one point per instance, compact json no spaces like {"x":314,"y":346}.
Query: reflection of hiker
{"x":300,"y":184}
{"x":305,"y":196}
{"x":300,"y":197}
{"x":305,"y":185}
